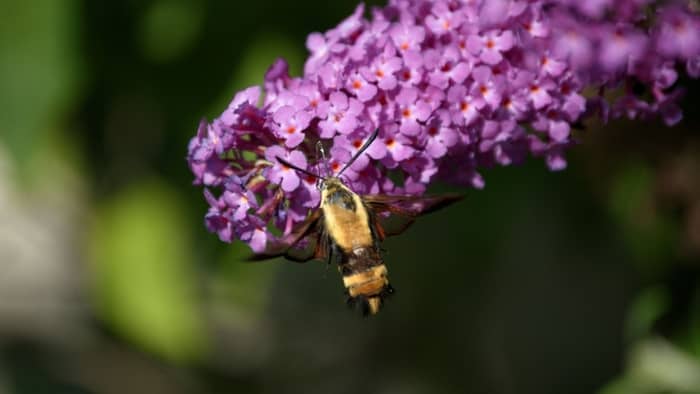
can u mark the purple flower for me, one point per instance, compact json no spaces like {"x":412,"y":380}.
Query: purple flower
{"x":441,"y":135}
{"x":622,"y":45}
{"x":253,"y":232}
{"x":678,"y":33}
{"x":382,"y":70}
{"x":358,"y":85}
{"x":217,"y":219}
{"x":551,"y":66}
{"x":412,"y":72}
{"x":407,"y":38}
{"x":248,"y":96}
{"x":574,"y":44}
{"x":534,"y":26}
{"x":398,"y":148}
{"x":538,"y":92}
{"x":442,"y":20}
{"x":487,"y":87}
{"x":447,"y":66}
{"x":290,"y":123}
{"x":279,"y":173}
{"x":490,"y":45}
{"x":340,"y":115}
{"x":345,"y":147}
{"x":451,"y":86}
{"x":411,"y":111}
{"x":321,"y":49}
{"x":554,"y":124}
{"x":464,"y":108}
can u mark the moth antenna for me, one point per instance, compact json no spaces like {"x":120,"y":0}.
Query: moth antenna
{"x":360,"y":151}
{"x":320,"y":151}
{"x":303,"y":171}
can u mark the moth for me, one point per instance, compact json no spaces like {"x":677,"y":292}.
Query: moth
{"x":348,"y":229}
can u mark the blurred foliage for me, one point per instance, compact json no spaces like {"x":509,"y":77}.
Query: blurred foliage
{"x":39,"y":68}
{"x":140,"y":254}
{"x":571,"y":282}
{"x":656,"y":366}
{"x":169,"y":28}
{"x":646,"y":309}
{"x":649,"y":233}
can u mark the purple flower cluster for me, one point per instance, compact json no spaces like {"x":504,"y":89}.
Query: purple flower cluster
{"x":452,"y":86}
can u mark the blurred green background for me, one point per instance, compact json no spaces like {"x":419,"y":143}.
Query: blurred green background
{"x":583,"y":281}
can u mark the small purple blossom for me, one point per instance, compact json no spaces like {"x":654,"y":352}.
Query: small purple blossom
{"x":345,"y":147}
{"x":360,"y":87}
{"x":289,"y":125}
{"x":451,"y":86}
{"x":339,"y":115}
{"x":491,"y":45}
{"x":463,"y":106}
{"x":678,"y":33}
{"x":279,"y":173}
{"x":442,"y":20}
{"x":407,"y":38}
{"x":440,"y":135}
{"x":382,"y":70}
{"x":412,"y":111}
{"x":253,"y":232}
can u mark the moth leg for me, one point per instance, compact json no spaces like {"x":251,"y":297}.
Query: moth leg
{"x":298,"y":259}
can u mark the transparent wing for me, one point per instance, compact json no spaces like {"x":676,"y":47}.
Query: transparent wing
{"x":392,"y":215}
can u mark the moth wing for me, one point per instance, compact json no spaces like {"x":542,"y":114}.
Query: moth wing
{"x":286,"y":246}
{"x":403,"y":210}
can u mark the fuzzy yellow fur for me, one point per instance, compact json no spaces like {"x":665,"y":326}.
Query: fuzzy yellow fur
{"x":349,"y":229}
{"x":367,"y":283}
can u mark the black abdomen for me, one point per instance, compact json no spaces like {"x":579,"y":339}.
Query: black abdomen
{"x":365,"y":279}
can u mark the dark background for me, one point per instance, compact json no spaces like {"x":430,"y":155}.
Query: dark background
{"x":581,"y":281}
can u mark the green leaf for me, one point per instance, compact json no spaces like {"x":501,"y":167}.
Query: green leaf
{"x":39,"y":70}
{"x":143,"y":281}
